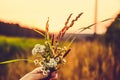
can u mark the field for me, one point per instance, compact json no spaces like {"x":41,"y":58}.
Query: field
{"x":88,"y":60}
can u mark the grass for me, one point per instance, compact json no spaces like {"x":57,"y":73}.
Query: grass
{"x":86,"y":61}
{"x":22,"y":42}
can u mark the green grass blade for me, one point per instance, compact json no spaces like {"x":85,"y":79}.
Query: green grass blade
{"x":71,"y":42}
{"x":39,"y":32}
{"x":67,"y":39}
{"x":15,"y":60}
{"x":88,"y":27}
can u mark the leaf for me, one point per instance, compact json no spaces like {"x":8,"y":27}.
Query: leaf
{"x":105,"y":20}
{"x":67,"y":39}
{"x":68,"y":19}
{"x":88,"y":27}
{"x":15,"y":60}
{"x":66,"y":27}
{"x":47,"y":37}
{"x":71,"y":42}
{"x":47,"y":25}
{"x":39,"y":32}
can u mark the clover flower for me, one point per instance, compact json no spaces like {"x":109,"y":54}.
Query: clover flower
{"x":52,"y":63}
{"x":49,"y":62}
{"x":38,"y":49}
{"x":36,"y":61}
{"x":43,"y":69}
{"x":57,"y":59}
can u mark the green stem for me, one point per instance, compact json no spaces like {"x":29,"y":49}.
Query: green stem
{"x":15,"y":60}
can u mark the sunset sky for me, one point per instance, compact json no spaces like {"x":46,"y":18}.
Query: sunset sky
{"x":34,"y":13}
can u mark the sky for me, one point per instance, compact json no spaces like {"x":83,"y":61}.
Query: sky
{"x":34,"y":13}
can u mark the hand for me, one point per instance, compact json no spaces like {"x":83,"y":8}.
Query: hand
{"x":36,"y":74}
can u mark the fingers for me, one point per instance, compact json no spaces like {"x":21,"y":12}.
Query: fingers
{"x":38,"y":76}
{"x":37,"y":70}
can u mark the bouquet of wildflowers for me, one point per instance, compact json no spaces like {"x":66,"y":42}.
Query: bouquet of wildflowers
{"x":50,"y":55}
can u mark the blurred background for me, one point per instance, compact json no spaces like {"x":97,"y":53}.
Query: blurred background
{"x":95,"y":54}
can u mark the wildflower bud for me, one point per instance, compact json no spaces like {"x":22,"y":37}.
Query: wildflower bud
{"x":57,"y":43}
{"x":38,"y":49}
{"x":52,"y":63}
{"x":65,"y":48}
{"x":63,"y":61}
{"x":46,"y":42}
{"x":57,"y":59}
{"x":36,"y":61}
{"x":41,"y":63}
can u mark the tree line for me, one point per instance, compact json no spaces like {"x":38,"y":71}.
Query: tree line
{"x":15,"y":30}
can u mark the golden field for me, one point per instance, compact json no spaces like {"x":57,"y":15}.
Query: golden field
{"x":88,"y":60}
